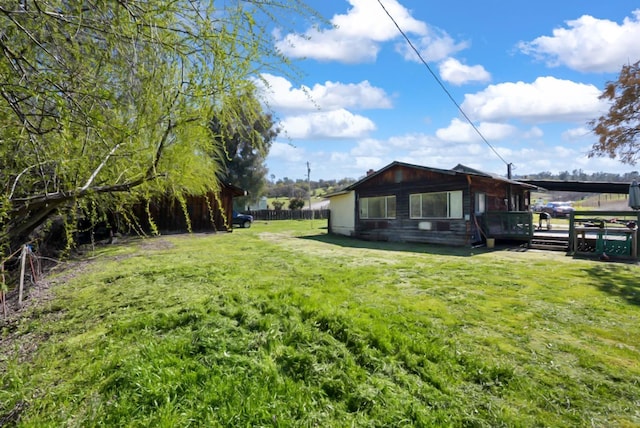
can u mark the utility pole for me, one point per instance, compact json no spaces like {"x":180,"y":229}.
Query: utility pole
{"x":309,"y":186}
{"x":509,"y":191}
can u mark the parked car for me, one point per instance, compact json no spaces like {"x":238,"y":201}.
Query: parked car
{"x":558,"y":209}
{"x":242,"y":220}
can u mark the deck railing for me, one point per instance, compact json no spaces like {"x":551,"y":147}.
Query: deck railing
{"x":599,"y":232}
{"x":508,"y":225}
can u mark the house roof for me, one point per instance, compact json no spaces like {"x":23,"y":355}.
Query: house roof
{"x":234,"y":190}
{"x":336,"y":193}
{"x":471,"y":171}
{"x":392,"y":165}
{"x":457,"y":170}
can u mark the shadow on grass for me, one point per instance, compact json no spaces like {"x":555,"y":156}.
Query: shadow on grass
{"x":443,"y":250}
{"x":617,"y":283}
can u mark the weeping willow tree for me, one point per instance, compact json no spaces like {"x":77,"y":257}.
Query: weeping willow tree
{"x":104,"y":103}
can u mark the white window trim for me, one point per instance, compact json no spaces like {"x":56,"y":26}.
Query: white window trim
{"x":449,"y":206}
{"x":386,"y":207}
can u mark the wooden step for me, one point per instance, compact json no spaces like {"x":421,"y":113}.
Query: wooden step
{"x":552,"y":244}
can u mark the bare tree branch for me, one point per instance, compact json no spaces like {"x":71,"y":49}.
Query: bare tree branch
{"x":97,"y":170}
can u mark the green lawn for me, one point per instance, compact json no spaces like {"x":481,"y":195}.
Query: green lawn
{"x":283,"y":325}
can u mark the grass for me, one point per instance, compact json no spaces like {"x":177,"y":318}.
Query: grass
{"x":283,"y":325}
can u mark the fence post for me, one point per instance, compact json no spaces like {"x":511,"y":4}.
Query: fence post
{"x":23,"y":262}
{"x":3,"y":295}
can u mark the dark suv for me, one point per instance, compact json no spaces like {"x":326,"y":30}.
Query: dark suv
{"x":242,"y":220}
{"x":558,"y":209}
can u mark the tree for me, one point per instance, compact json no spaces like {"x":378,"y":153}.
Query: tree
{"x":619,"y":130}
{"x":105,"y":104}
{"x":296,"y":203}
{"x":246,"y":140}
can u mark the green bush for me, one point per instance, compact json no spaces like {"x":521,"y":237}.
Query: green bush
{"x":296,"y":204}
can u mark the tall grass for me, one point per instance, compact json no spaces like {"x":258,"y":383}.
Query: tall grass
{"x":282,"y":325}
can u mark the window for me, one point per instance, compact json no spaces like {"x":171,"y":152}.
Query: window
{"x":378,"y":207}
{"x":481,"y":202}
{"x":436,"y":205}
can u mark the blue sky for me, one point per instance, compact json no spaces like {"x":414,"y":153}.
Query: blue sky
{"x":528,"y":75}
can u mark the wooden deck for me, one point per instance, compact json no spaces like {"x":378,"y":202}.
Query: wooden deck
{"x":588,"y":233}
{"x":600,"y":232}
{"x":592,"y":233}
{"x":555,"y":240}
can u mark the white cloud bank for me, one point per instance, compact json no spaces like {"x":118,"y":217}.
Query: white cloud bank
{"x":355,"y":36}
{"x":462,"y":131}
{"x":547,"y":99}
{"x":280,"y":94}
{"x":322,"y":111}
{"x":589,"y":44}
{"x":331,"y":124}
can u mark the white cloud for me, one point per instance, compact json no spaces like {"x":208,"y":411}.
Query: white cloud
{"x":577,"y":134}
{"x":427,"y":150}
{"x":365,"y":163}
{"x":370,"y":147}
{"x":286,"y":152}
{"x":589,"y":44}
{"x":420,"y":149}
{"x":462,"y":132}
{"x":556,"y":158}
{"x":367,"y":19}
{"x":433,"y":46}
{"x":532,"y":133}
{"x":331,"y":124}
{"x":356,"y":36}
{"x":546,"y":100}
{"x":341,"y":157}
{"x":453,"y":71}
{"x":413,"y":140}
{"x":280,"y":94}
{"x":329,"y":45}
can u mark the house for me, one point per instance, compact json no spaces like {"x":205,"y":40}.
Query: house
{"x":206,"y":213}
{"x":412,"y":203}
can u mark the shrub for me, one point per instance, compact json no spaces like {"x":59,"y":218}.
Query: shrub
{"x":296,"y":204}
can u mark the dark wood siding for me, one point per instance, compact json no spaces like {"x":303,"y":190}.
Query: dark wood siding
{"x":206,"y":213}
{"x":403,"y":181}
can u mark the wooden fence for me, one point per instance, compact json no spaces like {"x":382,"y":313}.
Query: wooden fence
{"x":287,"y":214}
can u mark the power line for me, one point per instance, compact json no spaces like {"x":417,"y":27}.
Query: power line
{"x":446,"y":91}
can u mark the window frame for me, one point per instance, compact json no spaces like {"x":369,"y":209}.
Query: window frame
{"x":450,"y":215}
{"x":480,"y":203}
{"x":386,"y":198}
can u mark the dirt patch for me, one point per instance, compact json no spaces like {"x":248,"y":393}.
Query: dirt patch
{"x":155,"y":244}
{"x":39,"y":284}
{"x":49,"y":273}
